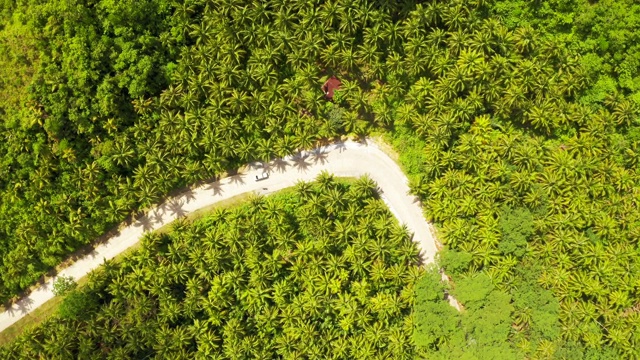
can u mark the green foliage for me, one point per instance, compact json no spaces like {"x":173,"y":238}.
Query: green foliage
{"x":540,"y":311}
{"x":536,"y":316}
{"x":63,"y":285}
{"x":474,"y":291}
{"x":516,"y":226}
{"x":335,"y":115}
{"x":489,"y":326}
{"x":323,"y":271}
{"x":78,"y":305}
{"x":481,"y":331}
{"x":605,"y":32}
{"x":18,"y":59}
{"x":455,"y":262}
{"x":435,"y":320}
{"x":603,"y":87}
{"x":70,"y":72}
{"x":412,"y":156}
{"x":112,"y":104}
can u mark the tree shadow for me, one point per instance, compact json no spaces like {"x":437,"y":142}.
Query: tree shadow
{"x":255,"y":165}
{"x":176,"y":207}
{"x":45,"y":285}
{"x":158,"y":212}
{"x":216,"y":187}
{"x":88,"y":250}
{"x":446,"y":296}
{"x":163,"y":207}
{"x":145,"y":223}
{"x":93,"y":253}
{"x":362,"y":139}
{"x":318,"y":155}
{"x":422,"y":259}
{"x":267,"y":167}
{"x":10,"y":309}
{"x":340,"y":145}
{"x":189,"y":196}
{"x":24,"y":305}
{"x":280,"y":165}
{"x":237,"y":179}
{"x":300,"y":162}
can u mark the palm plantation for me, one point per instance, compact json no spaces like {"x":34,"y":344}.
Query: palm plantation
{"x":281,"y":276}
{"x":494,"y":116}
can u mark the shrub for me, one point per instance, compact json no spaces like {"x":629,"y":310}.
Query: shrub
{"x":78,"y":305}
{"x":63,"y":285}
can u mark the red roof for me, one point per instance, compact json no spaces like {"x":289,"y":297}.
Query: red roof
{"x":330,"y":86}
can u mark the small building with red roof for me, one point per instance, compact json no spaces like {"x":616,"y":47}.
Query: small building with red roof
{"x":330,"y":86}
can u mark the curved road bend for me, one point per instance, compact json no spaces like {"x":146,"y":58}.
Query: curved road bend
{"x":348,"y":159}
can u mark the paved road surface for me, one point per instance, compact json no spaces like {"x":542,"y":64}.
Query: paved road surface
{"x":349,"y":159}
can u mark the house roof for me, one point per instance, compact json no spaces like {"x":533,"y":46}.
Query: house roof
{"x":330,"y":86}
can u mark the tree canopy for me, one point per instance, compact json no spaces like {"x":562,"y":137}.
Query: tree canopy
{"x":518,"y":123}
{"x":323,"y":271}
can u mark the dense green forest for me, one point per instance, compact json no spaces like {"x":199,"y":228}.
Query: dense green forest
{"x":606,"y":33}
{"x":323,"y":271}
{"x":518,"y":123}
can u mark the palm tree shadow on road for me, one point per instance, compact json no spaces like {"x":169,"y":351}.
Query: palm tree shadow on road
{"x":155,"y":217}
{"x":318,"y":155}
{"x":24,"y":305}
{"x":340,"y":145}
{"x":216,"y":187}
{"x":279,"y":165}
{"x":93,"y":253}
{"x":237,"y":179}
{"x":145,"y":223}
{"x":189,"y":195}
{"x":176,"y":207}
{"x":300,"y":162}
{"x":10,"y":309}
{"x":256,"y":165}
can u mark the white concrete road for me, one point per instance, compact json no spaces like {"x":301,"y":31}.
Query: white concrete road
{"x":348,"y":159}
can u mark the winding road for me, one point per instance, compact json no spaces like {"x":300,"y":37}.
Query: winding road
{"x":348,"y":159}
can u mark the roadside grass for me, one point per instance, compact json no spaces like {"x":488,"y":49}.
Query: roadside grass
{"x":404,"y":148}
{"x":384,"y":140}
{"x":29,"y":320}
{"x":35,"y":317}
